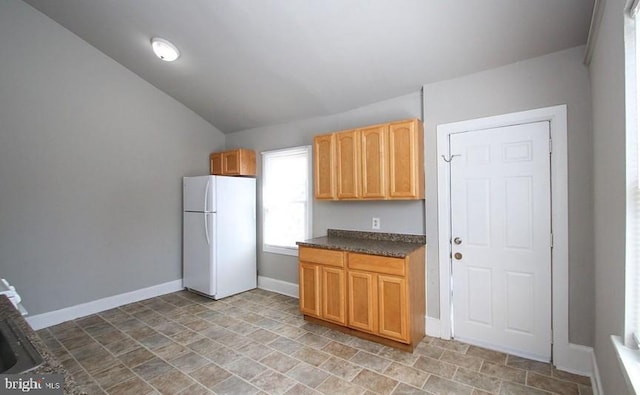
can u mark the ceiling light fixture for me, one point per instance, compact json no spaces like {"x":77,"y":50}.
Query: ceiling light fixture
{"x":164,"y":49}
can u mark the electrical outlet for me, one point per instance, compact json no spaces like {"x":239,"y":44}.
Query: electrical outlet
{"x":375,"y":223}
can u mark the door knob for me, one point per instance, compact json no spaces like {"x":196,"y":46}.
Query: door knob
{"x":457,"y":255}
{"x":457,"y":241}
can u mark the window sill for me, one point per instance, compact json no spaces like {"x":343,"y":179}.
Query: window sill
{"x":293,"y":251}
{"x":630,"y":362}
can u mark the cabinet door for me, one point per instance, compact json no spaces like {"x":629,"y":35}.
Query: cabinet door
{"x":324,"y":166}
{"x":216,"y":163}
{"x":404,"y":146}
{"x":334,"y":302}
{"x":362,"y":301}
{"x":348,"y":164}
{"x":246,"y":162}
{"x":231,"y":162}
{"x":309,"y":289}
{"x":394,"y":313}
{"x":374,"y":162}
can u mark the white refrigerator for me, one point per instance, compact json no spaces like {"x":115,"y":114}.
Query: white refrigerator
{"x":219,"y":235}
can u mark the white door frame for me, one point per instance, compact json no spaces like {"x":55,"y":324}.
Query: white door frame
{"x":565,"y":355}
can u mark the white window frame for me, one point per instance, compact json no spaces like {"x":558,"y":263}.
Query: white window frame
{"x":632,"y":237}
{"x":309,"y":203}
{"x":627,"y":345}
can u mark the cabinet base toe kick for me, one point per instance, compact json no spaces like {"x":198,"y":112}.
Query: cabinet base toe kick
{"x":364,"y":335}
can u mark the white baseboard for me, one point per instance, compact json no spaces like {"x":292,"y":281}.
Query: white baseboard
{"x":51,"y":318}
{"x":432,"y":327}
{"x":575,"y":358}
{"x":279,"y":286}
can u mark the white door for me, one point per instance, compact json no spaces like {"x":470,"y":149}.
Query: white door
{"x":501,"y":238}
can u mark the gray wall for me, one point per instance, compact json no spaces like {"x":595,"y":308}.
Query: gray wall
{"x":396,"y":216}
{"x":91,"y":160}
{"x":608,"y":86}
{"x":558,"y":78}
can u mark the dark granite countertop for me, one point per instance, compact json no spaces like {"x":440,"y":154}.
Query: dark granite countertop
{"x":375,"y":243}
{"x":50,"y":364}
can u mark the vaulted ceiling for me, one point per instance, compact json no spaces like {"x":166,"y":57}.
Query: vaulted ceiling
{"x":250,"y":63}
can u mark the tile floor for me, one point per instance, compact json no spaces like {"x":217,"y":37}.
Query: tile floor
{"x":257,"y":342}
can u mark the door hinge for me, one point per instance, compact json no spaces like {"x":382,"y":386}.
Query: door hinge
{"x":550,"y":145}
{"x":551,"y":240}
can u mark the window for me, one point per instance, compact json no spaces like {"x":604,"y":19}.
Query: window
{"x":633,"y":184}
{"x":632,"y":272}
{"x":286,"y":199}
{"x":627,"y":346}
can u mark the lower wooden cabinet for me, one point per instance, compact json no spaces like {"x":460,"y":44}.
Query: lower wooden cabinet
{"x":362,"y":301}
{"x":322,"y":285}
{"x":393,"y":294}
{"x":334,"y":307}
{"x":379,"y":296}
{"x":378,"y":304}
{"x":309,"y":285}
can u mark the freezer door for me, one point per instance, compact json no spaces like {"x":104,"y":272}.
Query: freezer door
{"x":198,"y":256}
{"x":199,"y":193}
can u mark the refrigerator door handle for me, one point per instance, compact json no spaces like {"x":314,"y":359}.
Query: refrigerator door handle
{"x":206,"y":227}
{"x":206,"y":194}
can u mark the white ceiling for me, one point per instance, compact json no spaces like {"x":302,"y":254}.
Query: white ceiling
{"x":250,"y":63}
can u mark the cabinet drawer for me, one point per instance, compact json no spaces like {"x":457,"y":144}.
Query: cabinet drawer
{"x":378,"y":264}
{"x":319,"y":255}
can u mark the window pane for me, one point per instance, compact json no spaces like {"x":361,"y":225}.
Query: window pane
{"x":286,"y":179}
{"x":285,"y":197}
{"x":284,"y":224}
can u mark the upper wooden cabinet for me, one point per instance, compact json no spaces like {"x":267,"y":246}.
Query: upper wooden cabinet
{"x":376,"y":162}
{"x":323,"y":168}
{"x":237,"y":162}
{"x":348,"y":164}
{"x":215,"y":160}
{"x":406,"y":163}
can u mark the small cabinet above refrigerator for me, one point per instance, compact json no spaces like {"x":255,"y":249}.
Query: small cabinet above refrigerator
{"x":237,"y":162}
